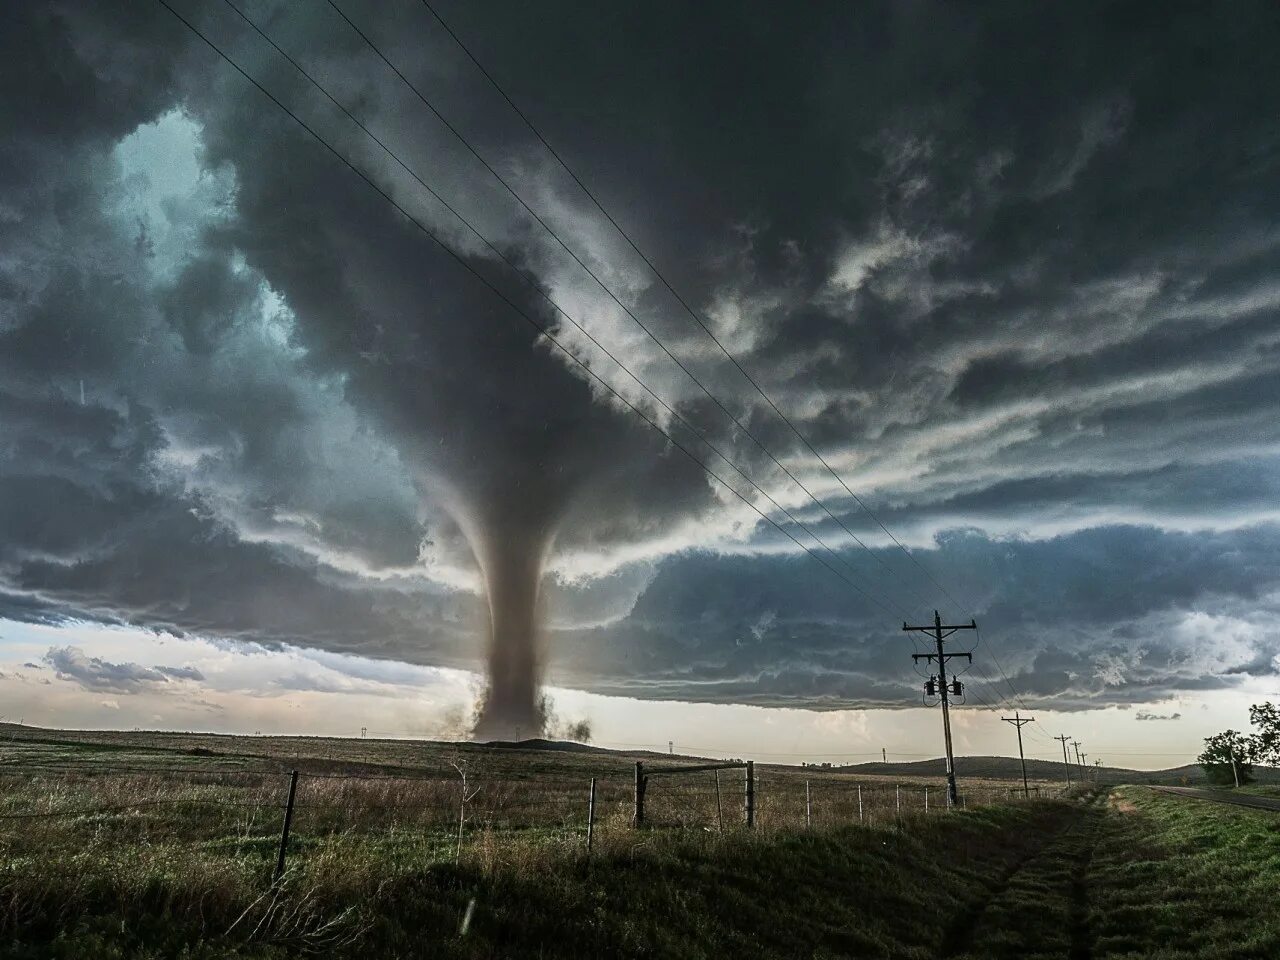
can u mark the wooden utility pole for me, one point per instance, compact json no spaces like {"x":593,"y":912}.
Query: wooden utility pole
{"x":940,"y":633}
{"x":1066,"y":763}
{"x":1018,"y":720}
{"x":1075,"y":745}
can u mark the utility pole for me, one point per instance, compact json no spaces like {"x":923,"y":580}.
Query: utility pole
{"x":884,"y":757}
{"x":1018,"y":720}
{"x":940,"y":633}
{"x":1075,"y":745}
{"x":1097,"y":771}
{"x":1066,"y":764}
{"x":1084,"y":766}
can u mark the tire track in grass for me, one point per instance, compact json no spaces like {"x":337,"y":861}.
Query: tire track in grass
{"x":1082,"y":936}
{"x":1041,"y":912}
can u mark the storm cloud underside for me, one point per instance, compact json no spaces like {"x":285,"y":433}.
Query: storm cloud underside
{"x":1014,"y":278}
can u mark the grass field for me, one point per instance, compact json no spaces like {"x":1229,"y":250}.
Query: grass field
{"x":140,"y":846}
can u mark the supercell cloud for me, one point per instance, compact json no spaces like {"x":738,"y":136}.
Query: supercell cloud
{"x":1015,"y":277}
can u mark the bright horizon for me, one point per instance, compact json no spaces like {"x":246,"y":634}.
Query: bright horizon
{"x":296,"y":692}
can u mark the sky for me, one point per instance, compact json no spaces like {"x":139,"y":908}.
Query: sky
{"x":883,"y":309}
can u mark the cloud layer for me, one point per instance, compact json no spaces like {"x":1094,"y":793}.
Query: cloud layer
{"x":1013,"y":277}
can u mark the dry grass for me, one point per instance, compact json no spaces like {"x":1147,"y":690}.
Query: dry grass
{"x":125,"y":846}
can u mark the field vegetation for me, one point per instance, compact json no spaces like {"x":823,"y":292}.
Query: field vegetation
{"x":142,"y":846}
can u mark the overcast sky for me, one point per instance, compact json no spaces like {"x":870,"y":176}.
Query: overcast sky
{"x":1013,"y":277}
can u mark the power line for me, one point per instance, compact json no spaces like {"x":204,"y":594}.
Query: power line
{"x":627,"y":310}
{"x":679,"y":298}
{"x":539,"y":291}
{"x":505,"y":299}
{"x":682,"y":301}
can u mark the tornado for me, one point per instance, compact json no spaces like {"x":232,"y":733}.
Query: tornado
{"x":511,"y":561}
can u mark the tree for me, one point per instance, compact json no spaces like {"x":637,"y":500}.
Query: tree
{"x":1266,"y":742}
{"x":1219,"y":752}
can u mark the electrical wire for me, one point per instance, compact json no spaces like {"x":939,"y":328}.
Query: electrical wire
{"x":426,"y":101}
{"x":528,"y":122}
{"x":679,"y":298}
{"x":458,"y":258}
{"x":539,"y":291}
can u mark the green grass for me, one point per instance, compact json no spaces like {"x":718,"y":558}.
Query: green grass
{"x":1184,"y":880}
{"x":375,"y":871}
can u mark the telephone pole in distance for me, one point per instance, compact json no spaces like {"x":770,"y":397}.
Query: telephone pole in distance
{"x":940,"y":632}
{"x":1066,"y":764}
{"x":1018,"y":720}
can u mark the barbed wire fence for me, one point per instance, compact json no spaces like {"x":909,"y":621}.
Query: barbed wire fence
{"x":277,"y":814}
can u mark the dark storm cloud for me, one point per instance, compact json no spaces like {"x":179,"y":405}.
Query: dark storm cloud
{"x":1190,"y":609}
{"x":96,"y":674}
{"x":1012,"y":273}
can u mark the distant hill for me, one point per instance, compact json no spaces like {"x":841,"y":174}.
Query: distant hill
{"x":377,"y":753}
{"x":1008,"y":768}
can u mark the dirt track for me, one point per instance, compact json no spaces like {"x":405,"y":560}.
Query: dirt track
{"x":1219,"y":796}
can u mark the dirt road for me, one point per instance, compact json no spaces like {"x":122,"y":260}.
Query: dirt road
{"x":1221,"y":796}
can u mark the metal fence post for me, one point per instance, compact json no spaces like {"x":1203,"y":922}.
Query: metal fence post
{"x":639,"y":803}
{"x":751,"y":793}
{"x":591,"y":813}
{"x":288,"y":820}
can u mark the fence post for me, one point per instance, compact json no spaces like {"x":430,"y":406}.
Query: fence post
{"x":897,"y":799}
{"x":719,"y":809}
{"x":926,"y":799}
{"x":808,"y":807}
{"x":288,"y":820}
{"x":751,"y":793}
{"x":591,"y":813}
{"x":639,"y":803}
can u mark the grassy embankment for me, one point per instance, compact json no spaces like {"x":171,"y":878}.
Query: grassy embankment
{"x":1143,"y":874}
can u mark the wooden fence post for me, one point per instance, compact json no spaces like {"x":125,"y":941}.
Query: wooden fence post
{"x":860,"y":818}
{"x":719,"y":809}
{"x":288,"y":820}
{"x":897,"y":798}
{"x":639,"y":802}
{"x":591,"y":813}
{"x":926,"y":799}
{"x":808,"y":807}
{"x":751,"y":793}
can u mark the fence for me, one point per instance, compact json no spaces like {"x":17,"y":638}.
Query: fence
{"x":272,"y":814}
